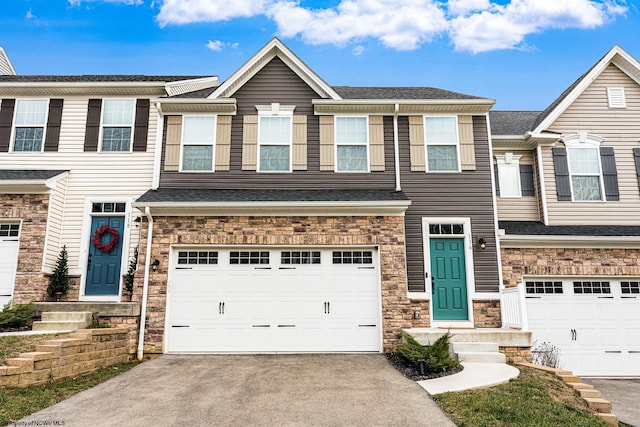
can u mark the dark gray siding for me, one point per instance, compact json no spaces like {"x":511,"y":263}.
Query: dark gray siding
{"x":466,"y":194}
{"x":277,"y":83}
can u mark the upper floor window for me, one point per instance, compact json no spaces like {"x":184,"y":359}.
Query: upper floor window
{"x":198,"y":143}
{"x":274,"y":143}
{"x":117,"y":124}
{"x":585,"y":172}
{"x":513,"y":180}
{"x":351,"y":144}
{"x":30,"y":122}
{"x":442,"y":148}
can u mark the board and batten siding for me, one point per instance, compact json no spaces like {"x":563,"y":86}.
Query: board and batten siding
{"x":620,"y":128}
{"x":277,"y":83}
{"x":525,"y":208}
{"x":92,"y":176}
{"x":463,"y":194}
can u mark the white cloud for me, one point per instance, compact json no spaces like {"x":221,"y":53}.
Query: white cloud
{"x":215,"y":45}
{"x":190,"y":11}
{"x":358,"y":50}
{"x":505,"y":27}
{"x":29,"y":15}
{"x":463,"y":7}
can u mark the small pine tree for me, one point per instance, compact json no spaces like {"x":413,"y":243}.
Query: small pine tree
{"x":59,"y":283}
{"x":131,"y":273}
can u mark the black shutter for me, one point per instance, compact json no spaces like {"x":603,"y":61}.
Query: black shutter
{"x":526,"y":180}
{"x":6,"y":118}
{"x":636,"y":157}
{"x":92,"y":131}
{"x":495,"y":175}
{"x":561,"y":169}
{"x":141,"y":128}
{"x":53,"y":125}
{"x":609,"y":173}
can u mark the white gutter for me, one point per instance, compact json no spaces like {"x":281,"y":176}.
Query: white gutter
{"x":480,"y":101}
{"x":396,"y":149}
{"x":145,"y":287}
{"x":562,"y":241}
{"x":155,"y":183}
{"x":543,"y":191}
{"x":495,"y":204}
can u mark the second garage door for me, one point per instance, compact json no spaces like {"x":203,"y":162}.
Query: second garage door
{"x":266,"y":300}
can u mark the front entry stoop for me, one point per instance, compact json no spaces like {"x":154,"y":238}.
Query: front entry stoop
{"x":63,"y":321}
{"x":478,"y":352}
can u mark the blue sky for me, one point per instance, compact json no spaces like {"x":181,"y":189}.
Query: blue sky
{"x":523,"y":53}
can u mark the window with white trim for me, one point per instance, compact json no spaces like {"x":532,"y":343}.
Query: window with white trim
{"x":585,"y":172}
{"x":30,"y":121}
{"x":616,"y":97}
{"x":509,"y":178}
{"x":117,"y":124}
{"x":198,"y":143}
{"x":274,"y":143}
{"x":442,"y":144}
{"x":352,"y":139}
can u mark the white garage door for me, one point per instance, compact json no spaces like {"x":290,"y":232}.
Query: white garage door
{"x":8,"y":260}
{"x":272,"y":300}
{"x":594,"y":323}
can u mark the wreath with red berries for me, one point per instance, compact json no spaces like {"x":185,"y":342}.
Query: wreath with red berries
{"x":97,"y":238}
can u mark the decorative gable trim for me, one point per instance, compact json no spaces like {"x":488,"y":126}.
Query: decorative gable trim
{"x":272,"y":49}
{"x":186,"y":86}
{"x":6,"y":67}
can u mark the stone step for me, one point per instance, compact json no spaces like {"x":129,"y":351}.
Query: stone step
{"x":589,"y":393}
{"x":581,"y":386}
{"x":569,"y":378}
{"x":77,"y":316}
{"x":599,"y":404}
{"x":63,"y":326}
{"x":608,"y":419}
{"x":476,"y":347}
{"x":481,"y":357}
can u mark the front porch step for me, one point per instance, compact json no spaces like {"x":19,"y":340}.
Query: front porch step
{"x":60,"y":326}
{"x":474,"y":347}
{"x":504,"y":337}
{"x":63,"y":321}
{"x":481,"y":357}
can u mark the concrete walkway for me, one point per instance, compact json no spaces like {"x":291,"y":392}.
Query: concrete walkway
{"x":253,"y":390}
{"x":474,"y":375}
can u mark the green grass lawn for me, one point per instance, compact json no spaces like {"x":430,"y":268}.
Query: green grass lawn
{"x":18,"y":403}
{"x":535,"y":398}
{"x":13,"y":345}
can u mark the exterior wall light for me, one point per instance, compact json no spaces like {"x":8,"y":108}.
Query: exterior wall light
{"x":154,"y":265}
{"x":482,"y":243}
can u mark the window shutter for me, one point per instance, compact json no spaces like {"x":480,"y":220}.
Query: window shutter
{"x":53,"y":125}
{"x":141,"y":127}
{"x":636,"y":157}
{"x":561,"y":169}
{"x":416,"y":143}
{"x":496,"y":179}
{"x":299,"y":149}
{"x":250,"y":143}
{"x":174,"y":136}
{"x":376,"y":143}
{"x":467,"y":150}
{"x":327,"y":137}
{"x":223,"y":143}
{"x":609,"y":173}
{"x":526,"y":180}
{"x":6,"y":119}
{"x":92,"y":131}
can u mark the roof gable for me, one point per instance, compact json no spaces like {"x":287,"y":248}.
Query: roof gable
{"x":272,"y":49}
{"x":6,"y":68}
{"x":616,"y":56}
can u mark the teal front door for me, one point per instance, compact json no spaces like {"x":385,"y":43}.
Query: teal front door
{"x":448,"y":279}
{"x":103,"y":267}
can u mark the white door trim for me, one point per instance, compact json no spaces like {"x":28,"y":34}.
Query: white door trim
{"x":15,"y":264}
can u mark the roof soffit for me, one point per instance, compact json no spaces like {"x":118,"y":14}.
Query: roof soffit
{"x":103,"y":89}
{"x":405,"y":107}
{"x":272,"y":49}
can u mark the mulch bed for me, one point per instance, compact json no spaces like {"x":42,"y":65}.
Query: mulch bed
{"x":410,"y":371}
{"x":18,"y":329}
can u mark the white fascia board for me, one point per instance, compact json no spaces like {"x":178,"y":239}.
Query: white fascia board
{"x":123,"y":84}
{"x":584,"y":84}
{"x":544,"y":241}
{"x":340,"y":208}
{"x":185,"y":86}
{"x":226,"y":106}
{"x":30,"y":186}
{"x":272,"y":49}
{"x":4,"y":59}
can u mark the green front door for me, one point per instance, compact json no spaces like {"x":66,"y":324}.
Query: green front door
{"x":448,"y":279}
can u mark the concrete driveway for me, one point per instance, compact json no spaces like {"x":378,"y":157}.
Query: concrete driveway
{"x":624,"y":396}
{"x":269,"y":390}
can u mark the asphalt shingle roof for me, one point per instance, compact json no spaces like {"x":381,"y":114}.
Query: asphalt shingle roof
{"x":531,"y":228}
{"x":206,"y":195}
{"x":363,"y":92}
{"x":512,"y":122}
{"x":15,"y":174}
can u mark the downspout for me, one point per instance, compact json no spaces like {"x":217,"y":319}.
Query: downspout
{"x":396,"y":144}
{"x":145,"y":286}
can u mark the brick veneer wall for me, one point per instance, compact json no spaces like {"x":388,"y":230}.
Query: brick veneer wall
{"x":32,"y":209}
{"x":386,"y":232}
{"x":517,"y":262}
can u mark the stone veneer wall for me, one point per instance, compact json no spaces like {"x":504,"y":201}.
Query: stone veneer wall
{"x":517,"y":262}
{"x":386,"y":232}
{"x":517,"y":354}
{"x":32,"y":209}
{"x":486,"y":314}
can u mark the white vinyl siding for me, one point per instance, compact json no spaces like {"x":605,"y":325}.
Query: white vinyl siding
{"x":352,"y":143}
{"x":198,"y":143}
{"x":55,"y":221}
{"x":117,"y":124}
{"x":30,"y":123}
{"x":525,"y":208}
{"x":620,"y":129}
{"x":442,"y":144}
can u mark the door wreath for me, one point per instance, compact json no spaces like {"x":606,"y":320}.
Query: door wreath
{"x":97,"y":238}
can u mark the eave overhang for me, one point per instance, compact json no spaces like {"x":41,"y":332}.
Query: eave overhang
{"x":30,"y":186}
{"x":225,"y":106}
{"x":405,"y":106}
{"x":49,"y":89}
{"x":546,"y":241}
{"x":527,"y":141}
{"x":308,"y":208}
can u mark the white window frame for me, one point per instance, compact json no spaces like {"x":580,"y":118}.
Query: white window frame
{"x":270,"y":111}
{"x":213,"y":144}
{"x":427,"y":144}
{"x":616,"y":97}
{"x":504,"y":162}
{"x":102,"y":125}
{"x":578,"y":141}
{"x":15,"y":126}
{"x":366,"y":143}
